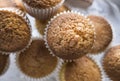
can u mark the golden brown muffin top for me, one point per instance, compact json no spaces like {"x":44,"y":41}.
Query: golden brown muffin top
{"x":14,"y":32}
{"x":103,"y":33}
{"x":3,"y":62}
{"x":42,"y":3}
{"x":36,"y":61}
{"x":70,"y":36}
{"x":83,"y":69}
{"x":111,"y":63}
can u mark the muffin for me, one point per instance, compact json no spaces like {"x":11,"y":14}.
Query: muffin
{"x":69,"y":35}
{"x":42,"y":9}
{"x":83,"y":69}
{"x":4,"y":61}
{"x":15,"y":33}
{"x":111,"y":63}
{"x":42,"y":25}
{"x":36,"y":62}
{"x":79,"y":3}
{"x":103,"y":33}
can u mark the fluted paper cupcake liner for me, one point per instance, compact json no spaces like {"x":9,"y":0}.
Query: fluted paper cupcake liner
{"x":47,"y":26}
{"x":23,"y":15}
{"x":45,"y":78}
{"x":92,"y":59}
{"x":6,"y":66}
{"x":42,"y":14}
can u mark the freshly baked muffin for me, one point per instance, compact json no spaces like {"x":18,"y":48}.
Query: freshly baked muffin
{"x":69,"y":36}
{"x":42,"y":9}
{"x":103,"y":33}
{"x":3,"y":63}
{"x":36,"y":62}
{"x":111,"y":63}
{"x":83,"y":69}
{"x":15,"y":33}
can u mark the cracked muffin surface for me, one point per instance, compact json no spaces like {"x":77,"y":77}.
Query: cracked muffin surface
{"x":70,"y":36}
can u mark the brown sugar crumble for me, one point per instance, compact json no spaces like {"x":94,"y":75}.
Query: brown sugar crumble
{"x":42,"y":3}
{"x":36,"y":61}
{"x":14,"y":32}
{"x":70,"y":36}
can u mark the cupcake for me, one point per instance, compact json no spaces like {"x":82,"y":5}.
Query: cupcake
{"x":42,"y":25}
{"x":15,"y":33}
{"x":111,"y":63}
{"x":42,"y":9}
{"x":69,"y":35}
{"x":83,"y":69}
{"x":4,"y":62}
{"x":79,"y":3}
{"x":37,"y":63}
{"x":103,"y":33}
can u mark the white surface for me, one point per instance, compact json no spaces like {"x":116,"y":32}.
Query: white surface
{"x":109,"y":11}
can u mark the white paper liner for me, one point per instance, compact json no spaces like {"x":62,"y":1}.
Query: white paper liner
{"x":42,"y":14}
{"x":23,"y":15}
{"x":6,"y":66}
{"x":47,"y":26}
{"x":91,"y":58}
{"x":45,"y":78}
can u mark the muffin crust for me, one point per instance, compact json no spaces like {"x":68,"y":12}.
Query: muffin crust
{"x":42,"y":3}
{"x":70,"y":36}
{"x":83,"y":69}
{"x":103,"y":33}
{"x":36,"y":61}
{"x":14,"y":32}
{"x":111,"y":63}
